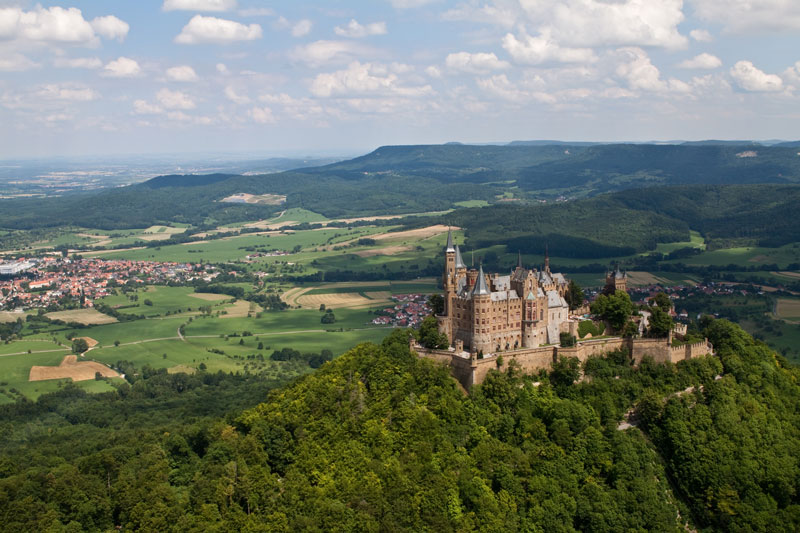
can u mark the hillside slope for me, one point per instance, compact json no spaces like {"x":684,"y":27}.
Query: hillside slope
{"x":379,"y":440}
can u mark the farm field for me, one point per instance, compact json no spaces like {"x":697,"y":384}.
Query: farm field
{"x":15,"y":371}
{"x":7,"y":316}
{"x":71,"y":368}
{"x":87,"y":317}
{"x":788,"y":309}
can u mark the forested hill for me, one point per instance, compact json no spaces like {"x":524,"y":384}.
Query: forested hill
{"x":636,"y":220}
{"x":589,"y":169}
{"x":413,"y":179}
{"x":378,"y":440}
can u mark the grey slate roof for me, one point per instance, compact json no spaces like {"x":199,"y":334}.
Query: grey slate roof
{"x":450,"y":247}
{"x":459,"y":260}
{"x":480,"y":287}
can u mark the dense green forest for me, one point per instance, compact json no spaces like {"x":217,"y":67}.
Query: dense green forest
{"x":412,"y":179}
{"x":378,"y":440}
{"x":636,"y":220}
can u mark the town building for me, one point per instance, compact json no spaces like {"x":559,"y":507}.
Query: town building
{"x":489,"y":313}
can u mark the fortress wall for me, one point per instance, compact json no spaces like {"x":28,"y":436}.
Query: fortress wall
{"x":658,"y":349}
{"x":690,"y":351}
{"x":469,"y":371}
{"x":591,"y":348}
{"x":530,"y":360}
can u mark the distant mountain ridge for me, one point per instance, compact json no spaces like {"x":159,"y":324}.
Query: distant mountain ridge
{"x":419,"y":178}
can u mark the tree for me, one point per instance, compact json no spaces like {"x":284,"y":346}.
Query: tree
{"x":328,"y":317}
{"x":574,"y":295}
{"x":615,"y":308}
{"x":429,"y":335}
{"x":662,"y":301}
{"x":566,"y":371}
{"x":567,"y":340}
{"x":436,"y":301}
{"x":321,"y":307}
{"x":660,"y":322}
{"x":79,"y":345}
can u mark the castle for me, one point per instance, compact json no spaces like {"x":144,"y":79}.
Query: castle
{"x":494,"y":313}
{"x":521,"y":316}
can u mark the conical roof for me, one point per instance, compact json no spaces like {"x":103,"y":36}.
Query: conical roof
{"x":459,"y":259}
{"x":480,"y":287}
{"x":450,"y":247}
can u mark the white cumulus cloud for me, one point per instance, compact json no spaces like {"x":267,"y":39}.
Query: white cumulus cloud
{"x":701,"y":36}
{"x":123,"y":67}
{"x":174,"y":99}
{"x":202,"y":29}
{"x":581,"y":23}
{"x":199,"y":5}
{"x":479,"y":63}
{"x":362,"y":79}
{"x":262,"y":115}
{"x":140,"y":107}
{"x":702,"y":61}
{"x":742,"y":16}
{"x":641,"y":74}
{"x":323,"y":52}
{"x":408,"y":4}
{"x":536,"y":50}
{"x":71,"y":92}
{"x":302,"y":28}
{"x":16,"y":62}
{"x":355,"y":29}
{"x":183,"y":73}
{"x":750,"y":78}
{"x":236,"y":98}
{"x":111,"y":27}
{"x":54,"y":24}
{"x":78,"y":62}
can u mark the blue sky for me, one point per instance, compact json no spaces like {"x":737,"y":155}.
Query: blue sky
{"x":122,"y":76}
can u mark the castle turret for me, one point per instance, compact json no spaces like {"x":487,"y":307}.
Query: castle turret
{"x":616,"y":280}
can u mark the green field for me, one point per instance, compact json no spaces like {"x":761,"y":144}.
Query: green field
{"x":15,"y":369}
{"x":235,"y":248}
{"x":164,"y":299}
{"x":746,"y":256}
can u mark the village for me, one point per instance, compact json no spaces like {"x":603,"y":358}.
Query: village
{"x":409,"y":312}
{"x":45,"y":282}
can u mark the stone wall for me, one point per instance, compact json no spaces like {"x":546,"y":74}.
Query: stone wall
{"x":690,"y":351}
{"x":658,"y":349}
{"x":469,"y":370}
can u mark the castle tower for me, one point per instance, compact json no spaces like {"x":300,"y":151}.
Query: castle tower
{"x":481,"y":301}
{"x":616,"y":280}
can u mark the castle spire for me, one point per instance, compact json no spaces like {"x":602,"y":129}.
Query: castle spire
{"x":450,"y":248}
{"x":519,"y":259}
{"x":459,"y":259}
{"x":480,"y":288}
